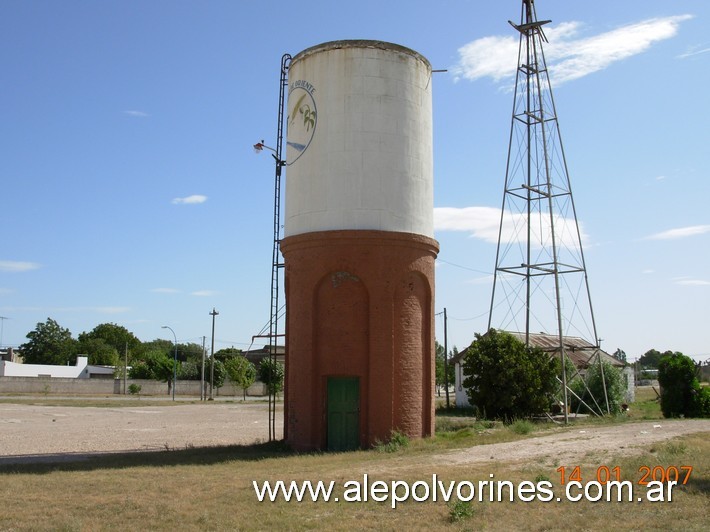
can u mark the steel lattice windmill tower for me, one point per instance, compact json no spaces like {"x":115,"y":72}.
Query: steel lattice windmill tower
{"x":540,"y":280}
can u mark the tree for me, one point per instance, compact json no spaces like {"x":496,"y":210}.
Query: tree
{"x":113,"y":335}
{"x":227,"y":353}
{"x":241,"y":372}
{"x":98,"y":351}
{"x":504,"y":379}
{"x":272,"y":374}
{"x":620,"y":355}
{"x":189,"y":351}
{"x":159,"y":344}
{"x":190,"y":370}
{"x":439,"y":368}
{"x":681,"y":394}
{"x":49,"y":343}
{"x":156,"y":365}
{"x":220,"y":374}
{"x":140,"y":370}
{"x":615,"y":388}
{"x":651,"y":358}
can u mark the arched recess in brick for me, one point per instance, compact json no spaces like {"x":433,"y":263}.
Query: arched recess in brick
{"x":412,"y":357}
{"x":341,"y":333}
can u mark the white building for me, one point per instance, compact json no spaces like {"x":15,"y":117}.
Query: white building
{"x":82,"y":370}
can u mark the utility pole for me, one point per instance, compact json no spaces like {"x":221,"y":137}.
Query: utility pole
{"x":202,"y":374}
{"x":125,"y":368}
{"x":213,"y":314}
{"x":446,"y":359}
{"x":2,"y":327}
{"x":174,"y":359}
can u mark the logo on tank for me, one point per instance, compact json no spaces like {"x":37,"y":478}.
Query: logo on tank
{"x":302,"y":119}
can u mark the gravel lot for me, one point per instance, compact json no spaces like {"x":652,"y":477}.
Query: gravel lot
{"x":33,"y":433}
{"x":54,"y":433}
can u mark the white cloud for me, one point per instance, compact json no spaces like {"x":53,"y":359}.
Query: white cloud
{"x":493,"y":57}
{"x":686,"y":281}
{"x":484,"y":223}
{"x":136,"y":114}
{"x":12,"y":266}
{"x":165,"y":290}
{"x":203,"y":293}
{"x":681,"y":232}
{"x":694,"y":51}
{"x":481,"y":222}
{"x":569,"y":56}
{"x":190,"y":200}
{"x":648,"y":272}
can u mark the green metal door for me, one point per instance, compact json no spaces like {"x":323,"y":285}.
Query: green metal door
{"x":343,"y":413}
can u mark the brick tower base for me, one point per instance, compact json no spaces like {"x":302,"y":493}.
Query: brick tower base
{"x":359,"y":317}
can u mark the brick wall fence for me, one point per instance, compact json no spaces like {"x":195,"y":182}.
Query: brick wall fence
{"x":58,"y":386}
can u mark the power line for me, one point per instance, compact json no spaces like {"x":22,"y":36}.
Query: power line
{"x":463,"y":267}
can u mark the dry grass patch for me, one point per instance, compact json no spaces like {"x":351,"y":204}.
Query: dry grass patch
{"x":211,"y":489}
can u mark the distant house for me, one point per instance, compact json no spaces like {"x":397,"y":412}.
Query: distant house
{"x":579,"y":351}
{"x":82,"y":370}
{"x":255,"y":356}
{"x":10,"y":355}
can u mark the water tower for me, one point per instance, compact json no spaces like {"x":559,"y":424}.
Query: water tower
{"x":358,"y":246}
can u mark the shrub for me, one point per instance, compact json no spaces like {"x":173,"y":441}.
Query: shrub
{"x":681,"y":394}
{"x":615,"y":388}
{"x":396,"y":442}
{"x":703,"y":400}
{"x":522,"y":426}
{"x":460,"y":510}
{"x":504,"y":379}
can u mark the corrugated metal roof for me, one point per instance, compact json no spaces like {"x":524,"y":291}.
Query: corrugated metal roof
{"x":579,"y":350}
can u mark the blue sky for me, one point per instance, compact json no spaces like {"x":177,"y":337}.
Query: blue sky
{"x":131,"y":193}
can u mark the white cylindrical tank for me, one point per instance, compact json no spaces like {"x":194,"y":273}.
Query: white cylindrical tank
{"x":358,"y":246}
{"x":359,"y":140}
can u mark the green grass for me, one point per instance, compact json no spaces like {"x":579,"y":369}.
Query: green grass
{"x":647,"y":404}
{"x":397,"y":441}
{"x":522,"y":426}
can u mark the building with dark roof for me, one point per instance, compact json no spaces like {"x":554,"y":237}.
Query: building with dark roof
{"x":255,"y":356}
{"x":578,"y":350}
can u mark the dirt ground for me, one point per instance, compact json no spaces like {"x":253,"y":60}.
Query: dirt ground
{"x":572,"y":444}
{"x":56,"y":433}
